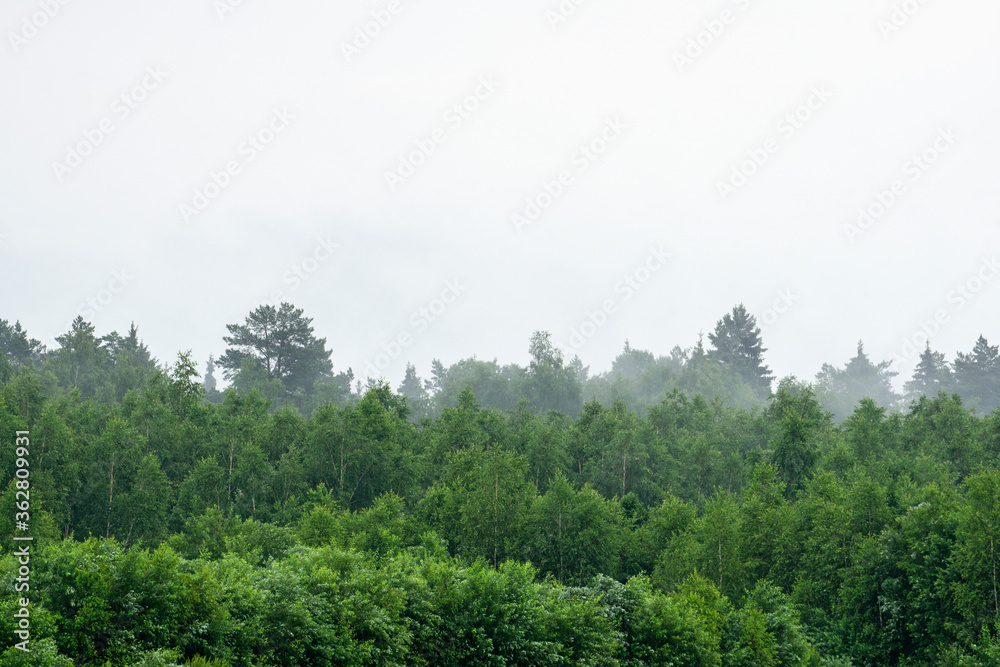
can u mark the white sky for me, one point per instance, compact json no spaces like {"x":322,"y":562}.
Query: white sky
{"x":656,"y":185}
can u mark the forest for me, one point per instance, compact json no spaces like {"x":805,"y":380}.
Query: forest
{"x":687,"y":509}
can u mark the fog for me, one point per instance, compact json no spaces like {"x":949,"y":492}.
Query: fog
{"x":440,"y":179}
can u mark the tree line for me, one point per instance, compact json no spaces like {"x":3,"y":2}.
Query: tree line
{"x":489,"y":518}
{"x":276,"y":352}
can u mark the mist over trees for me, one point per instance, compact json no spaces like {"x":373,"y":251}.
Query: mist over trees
{"x":682,"y":509}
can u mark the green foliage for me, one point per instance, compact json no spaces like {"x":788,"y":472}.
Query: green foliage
{"x":977,"y":375}
{"x":279,"y":341}
{"x":798,"y":418}
{"x":551,"y":385}
{"x":16,"y":349}
{"x":488,"y":516}
{"x":977,"y":551}
{"x":737,"y":344}
{"x":574,"y":534}
{"x":840,"y":389}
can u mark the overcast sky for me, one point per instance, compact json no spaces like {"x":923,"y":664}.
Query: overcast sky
{"x":507,"y":167}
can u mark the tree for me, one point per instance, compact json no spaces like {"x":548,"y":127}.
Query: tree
{"x":737,"y":344}
{"x":977,"y":376}
{"x":551,"y":385}
{"x":209,"y":381}
{"x":438,"y":375}
{"x":940,"y":426}
{"x":487,"y":500}
{"x":797,"y":418}
{"x":128,"y":364}
{"x":977,"y":554}
{"x":867,"y":430}
{"x":21,"y":351}
{"x":412,"y":389}
{"x":632,"y":362}
{"x":114,"y":458}
{"x":79,"y":361}
{"x":719,"y":535}
{"x":280,"y":341}
{"x":839,"y":390}
{"x":931,"y":375}
{"x":617,"y":453}
{"x":702,"y":373}
{"x":573,"y":533}
{"x":494,"y":386}
{"x":767,"y":631}
{"x":763,"y":508}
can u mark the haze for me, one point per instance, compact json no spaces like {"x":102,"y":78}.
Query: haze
{"x":823,"y":109}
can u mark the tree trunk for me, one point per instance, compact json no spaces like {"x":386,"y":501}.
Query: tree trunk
{"x":111,"y":497}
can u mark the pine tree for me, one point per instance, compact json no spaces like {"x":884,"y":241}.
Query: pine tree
{"x":438,"y":375}
{"x":412,"y":387}
{"x":977,"y":375}
{"x":738,"y":346}
{"x":582,"y":372}
{"x":632,"y":362}
{"x":281,"y":342}
{"x":20,"y":350}
{"x":839,"y":390}
{"x":931,"y":375}
{"x":209,"y":381}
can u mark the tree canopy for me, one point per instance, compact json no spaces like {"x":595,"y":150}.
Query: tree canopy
{"x":737,"y":345}
{"x":661,"y":512}
{"x":280,"y":341}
